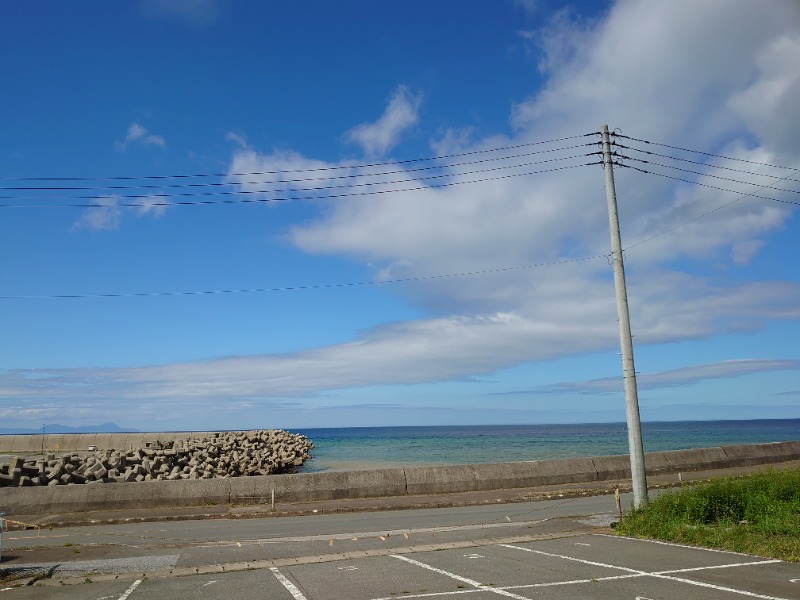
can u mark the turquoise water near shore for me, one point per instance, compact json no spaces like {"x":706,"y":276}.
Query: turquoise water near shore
{"x":348,"y":448}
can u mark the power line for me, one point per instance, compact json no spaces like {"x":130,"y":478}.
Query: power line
{"x":300,"y":189}
{"x":296,"y":180}
{"x":295,"y":288}
{"x":312,"y":170}
{"x":702,"y":164}
{"x":707,"y":174}
{"x":277,"y":199}
{"x":752,"y":162}
{"x":705,"y":214}
{"x":713,"y":187}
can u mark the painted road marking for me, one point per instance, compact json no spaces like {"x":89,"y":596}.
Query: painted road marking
{"x":348,"y":568}
{"x":290,"y":587}
{"x":471,"y":582}
{"x":129,"y":591}
{"x":209,"y":583}
{"x":666,"y":574}
{"x":719,"y":588}
{"x":662,"y":543}
{"x":580,"y":560}
{"x":474,"y":556}
{"x":728,"y":566}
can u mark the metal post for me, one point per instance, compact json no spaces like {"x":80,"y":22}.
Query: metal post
{"x":2,"y":526}
{"x":626,"y":343}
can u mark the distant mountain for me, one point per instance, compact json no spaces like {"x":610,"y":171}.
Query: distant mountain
{"x":56,"y":428}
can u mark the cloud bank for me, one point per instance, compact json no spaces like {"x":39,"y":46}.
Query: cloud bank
{"x":730,"y":86}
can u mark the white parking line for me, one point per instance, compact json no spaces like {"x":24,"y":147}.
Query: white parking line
{"x":129,"y":591}
{"x":472,"y":582}
{"x":666,"y":574}
{"x":728,"y":566}
{"x":663,"y":543}
{"x":580,"y":560}
{"x":719,"y":588}
{"x":290,"y":587}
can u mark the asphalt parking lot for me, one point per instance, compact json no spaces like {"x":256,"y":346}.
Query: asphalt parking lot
{"x":583,"y":566}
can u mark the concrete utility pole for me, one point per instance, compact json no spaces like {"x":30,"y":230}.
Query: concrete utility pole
{"x":625,"y":341}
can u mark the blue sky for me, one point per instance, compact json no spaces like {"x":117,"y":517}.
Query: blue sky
{"x":315,"y":91}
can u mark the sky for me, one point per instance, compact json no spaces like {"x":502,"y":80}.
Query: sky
{"x":325,"y":214}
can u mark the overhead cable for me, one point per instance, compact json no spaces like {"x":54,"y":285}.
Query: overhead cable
{"x":296,"y":180}
{"x":705,"y":214}
{"x":707,"y":174}
{"x":276,"y":199}
{"x":310,"y":170}
{"x":702,"y":164}
{"x":296,"y":189}
{"x":295,"y":288}
{"x":752,"y":162}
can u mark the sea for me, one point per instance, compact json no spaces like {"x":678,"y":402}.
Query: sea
{"x":356,"y":448}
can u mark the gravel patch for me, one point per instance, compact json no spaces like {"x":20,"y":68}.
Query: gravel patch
{"x":115,"y":566}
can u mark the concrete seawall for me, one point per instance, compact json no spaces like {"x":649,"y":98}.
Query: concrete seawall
{"x":62,"y":442}
{"x":306,"y":487}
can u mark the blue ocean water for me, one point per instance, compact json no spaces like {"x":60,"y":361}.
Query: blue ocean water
{"x":351,"y":448}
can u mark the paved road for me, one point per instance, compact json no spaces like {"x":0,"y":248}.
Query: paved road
{"x":586,"y":566}
{"x":531,"y":550}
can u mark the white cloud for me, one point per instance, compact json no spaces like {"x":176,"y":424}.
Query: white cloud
{"x":769,"y":102}
{"x":106,"y":217}
{"x":237,"y":138}
{"x":626,"y":69}
{"x":381,"y":136}
{"x":433,"y":350}
{"x":274,"y":177}
{"x":684,"y":376}
{"x":108,"y":214}
{"x":453,"y":141}
{"x":138,"y":134}
{"x":154,"y":206}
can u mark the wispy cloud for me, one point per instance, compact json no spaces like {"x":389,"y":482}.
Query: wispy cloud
{"x":624,"y":69}
{"x":237,"y":138}
{"x":139,"y":135}
{"x":108,"y":214}
{"x":678,"y":377}
{"x":106,"y":217}
{"x":380,"y":136}
{"x":594,"y":72}
{"x":426,"y":351}
{"x":153,"y":206}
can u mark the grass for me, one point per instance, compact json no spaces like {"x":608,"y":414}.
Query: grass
{"x":758,"y":514}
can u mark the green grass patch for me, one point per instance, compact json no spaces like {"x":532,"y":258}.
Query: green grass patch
{"x":758,"y":514}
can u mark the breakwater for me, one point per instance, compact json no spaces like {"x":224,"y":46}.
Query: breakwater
{"x":234,"y":454}
{"x":307,"y":487}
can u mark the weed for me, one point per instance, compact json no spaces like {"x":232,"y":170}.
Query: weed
{"x":758,"y":514}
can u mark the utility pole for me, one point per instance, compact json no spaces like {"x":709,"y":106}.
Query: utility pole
{"x":635,"y":447}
